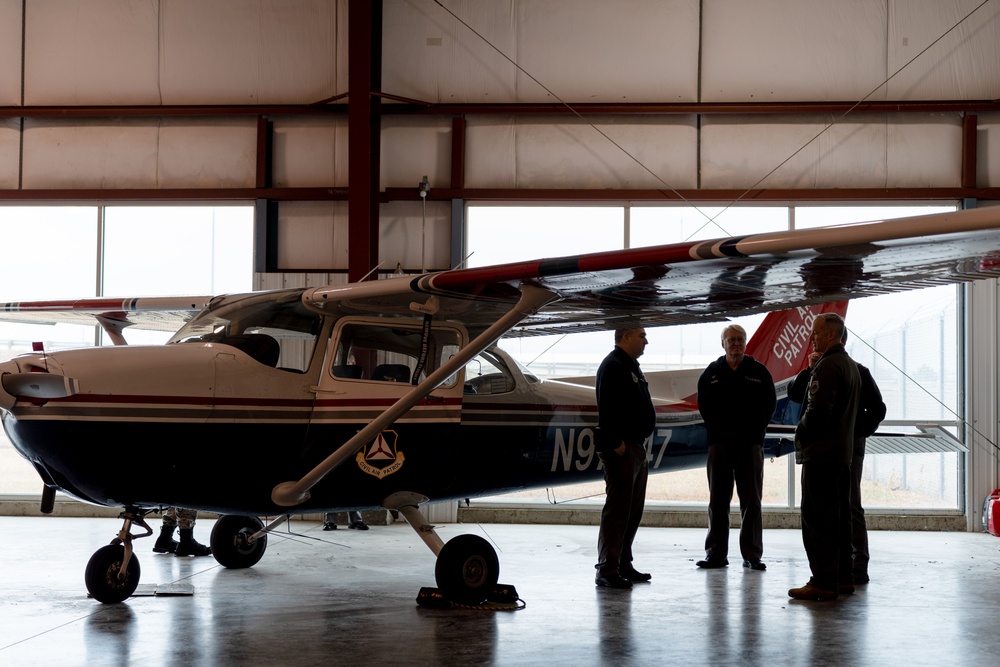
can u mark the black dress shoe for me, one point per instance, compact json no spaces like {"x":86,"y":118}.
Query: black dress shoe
{"x":634,"y":575}
{"x":711,"y":563}
{"x":360,"y":525}
{"x":754,"y":564}
{"x":329,"y":526}
{"x":612,"y":581}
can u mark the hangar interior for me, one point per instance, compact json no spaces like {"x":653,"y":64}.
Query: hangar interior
{"x":360,"y":140}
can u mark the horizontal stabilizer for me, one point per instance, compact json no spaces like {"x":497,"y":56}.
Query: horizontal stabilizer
{"x":932,"y":438}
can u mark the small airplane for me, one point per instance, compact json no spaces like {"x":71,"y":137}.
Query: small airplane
{"x":393,"y":393}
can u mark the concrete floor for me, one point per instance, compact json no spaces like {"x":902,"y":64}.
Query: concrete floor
{"x":347,"y":597}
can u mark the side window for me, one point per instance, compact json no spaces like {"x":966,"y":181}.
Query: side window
{"x":392,"y":353}
{"x":487,"y":374}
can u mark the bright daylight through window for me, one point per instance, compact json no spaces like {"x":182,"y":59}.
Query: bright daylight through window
{"x":147,"y":251}
{"x":910,"y":341}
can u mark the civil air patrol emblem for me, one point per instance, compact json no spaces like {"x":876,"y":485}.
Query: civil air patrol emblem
{"x":380,"y":457}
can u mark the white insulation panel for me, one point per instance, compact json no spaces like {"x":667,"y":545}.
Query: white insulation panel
{"x":310,"y":151}
{"x":794,"y":152}
{"x":529,"y":51}
{"x":183,"y":51}
{"x":597,"y":152}
{"x":988,"y":153}
{"x":775,"y":50}
{"x":413,"y":148}
{"x":10,"y":139}
{"x":312,"y":235}
{"x":315,"y":234}
{"x":139,"y":153}
{"x":10,"y":53}
{"x":413,"y":236}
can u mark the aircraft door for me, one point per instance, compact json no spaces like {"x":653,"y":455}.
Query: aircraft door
{"x":370,"y":364}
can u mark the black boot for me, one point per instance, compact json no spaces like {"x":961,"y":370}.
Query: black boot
{"x":165,"y":543}
{"x":189,"y":547}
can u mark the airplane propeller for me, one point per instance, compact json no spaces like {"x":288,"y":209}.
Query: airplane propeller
{"x":39,"y":385}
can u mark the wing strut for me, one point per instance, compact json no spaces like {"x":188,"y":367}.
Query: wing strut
{"x":289,"y":494}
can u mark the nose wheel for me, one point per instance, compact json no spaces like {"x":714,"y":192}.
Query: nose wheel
{"x":110,"y":577}
{"x":113,"y":571}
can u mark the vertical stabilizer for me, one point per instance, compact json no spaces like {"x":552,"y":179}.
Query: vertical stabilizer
{"x":782,"y":344}
{"x":782,"y":341}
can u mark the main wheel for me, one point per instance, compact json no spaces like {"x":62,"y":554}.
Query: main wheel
{"x":467,"y":569}
{"x":102,"y":578}
{"x":230,"y":541}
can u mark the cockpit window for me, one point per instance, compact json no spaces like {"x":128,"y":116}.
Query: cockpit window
{"x":274,"y":328}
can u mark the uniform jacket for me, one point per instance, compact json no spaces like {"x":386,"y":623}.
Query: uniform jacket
{"x":736,"y":404}
{"x":826,"y":427}
{"x":871,"y":407}
{"x":624,"y":408}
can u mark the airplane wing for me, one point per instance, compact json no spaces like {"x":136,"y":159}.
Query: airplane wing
{"x":682,"y":283}
{"x":706,"y":280}
{"x":165,"y":313}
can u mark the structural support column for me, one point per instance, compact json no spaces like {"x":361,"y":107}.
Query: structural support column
{"x":969,"y":126}
{"x":364,"y":127}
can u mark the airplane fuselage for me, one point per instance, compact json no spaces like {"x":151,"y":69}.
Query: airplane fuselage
{"x":205,"y":426}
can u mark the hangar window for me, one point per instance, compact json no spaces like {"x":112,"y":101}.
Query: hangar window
{"x":65,"y":252}
{"x":910,"y":341}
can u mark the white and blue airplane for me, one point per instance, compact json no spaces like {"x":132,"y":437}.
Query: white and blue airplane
{"x":393,"y":393}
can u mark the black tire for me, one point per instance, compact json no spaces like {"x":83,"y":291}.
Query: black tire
{"x":467,"y":569}
{"x":102,"y":575}
{"x":229,"y":541}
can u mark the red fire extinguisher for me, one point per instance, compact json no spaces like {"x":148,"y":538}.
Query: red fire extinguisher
{"x":991,"y":513}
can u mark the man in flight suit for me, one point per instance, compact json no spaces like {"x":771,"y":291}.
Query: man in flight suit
{"x":871,"y":412}
{"x":736,"y":399}
{"x":824,"y":443}
{"x":626,"y":419}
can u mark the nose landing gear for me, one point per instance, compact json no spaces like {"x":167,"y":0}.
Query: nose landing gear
{"x":113,"y":571}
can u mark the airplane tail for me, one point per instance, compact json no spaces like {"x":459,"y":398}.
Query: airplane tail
{"x":781,"y":343}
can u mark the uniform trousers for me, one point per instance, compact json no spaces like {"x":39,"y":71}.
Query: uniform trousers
{"x":826,"y":522}
{"x":743,"y":464}
{"x":859,"y":527}
{"x":625,"y":484}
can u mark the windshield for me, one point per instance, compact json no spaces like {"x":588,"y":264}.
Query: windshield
{"x":264,"y":316}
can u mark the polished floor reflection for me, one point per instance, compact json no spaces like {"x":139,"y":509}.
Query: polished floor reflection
{"x":347,"y":597}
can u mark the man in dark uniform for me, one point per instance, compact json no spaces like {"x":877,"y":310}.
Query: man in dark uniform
{"x":824,"y":442}
{"x":736,"y":399}
{"x":871,"y":412}
{"x":626,"y":419}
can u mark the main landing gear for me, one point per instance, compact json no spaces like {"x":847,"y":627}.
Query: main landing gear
{"x":467,"y":567}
